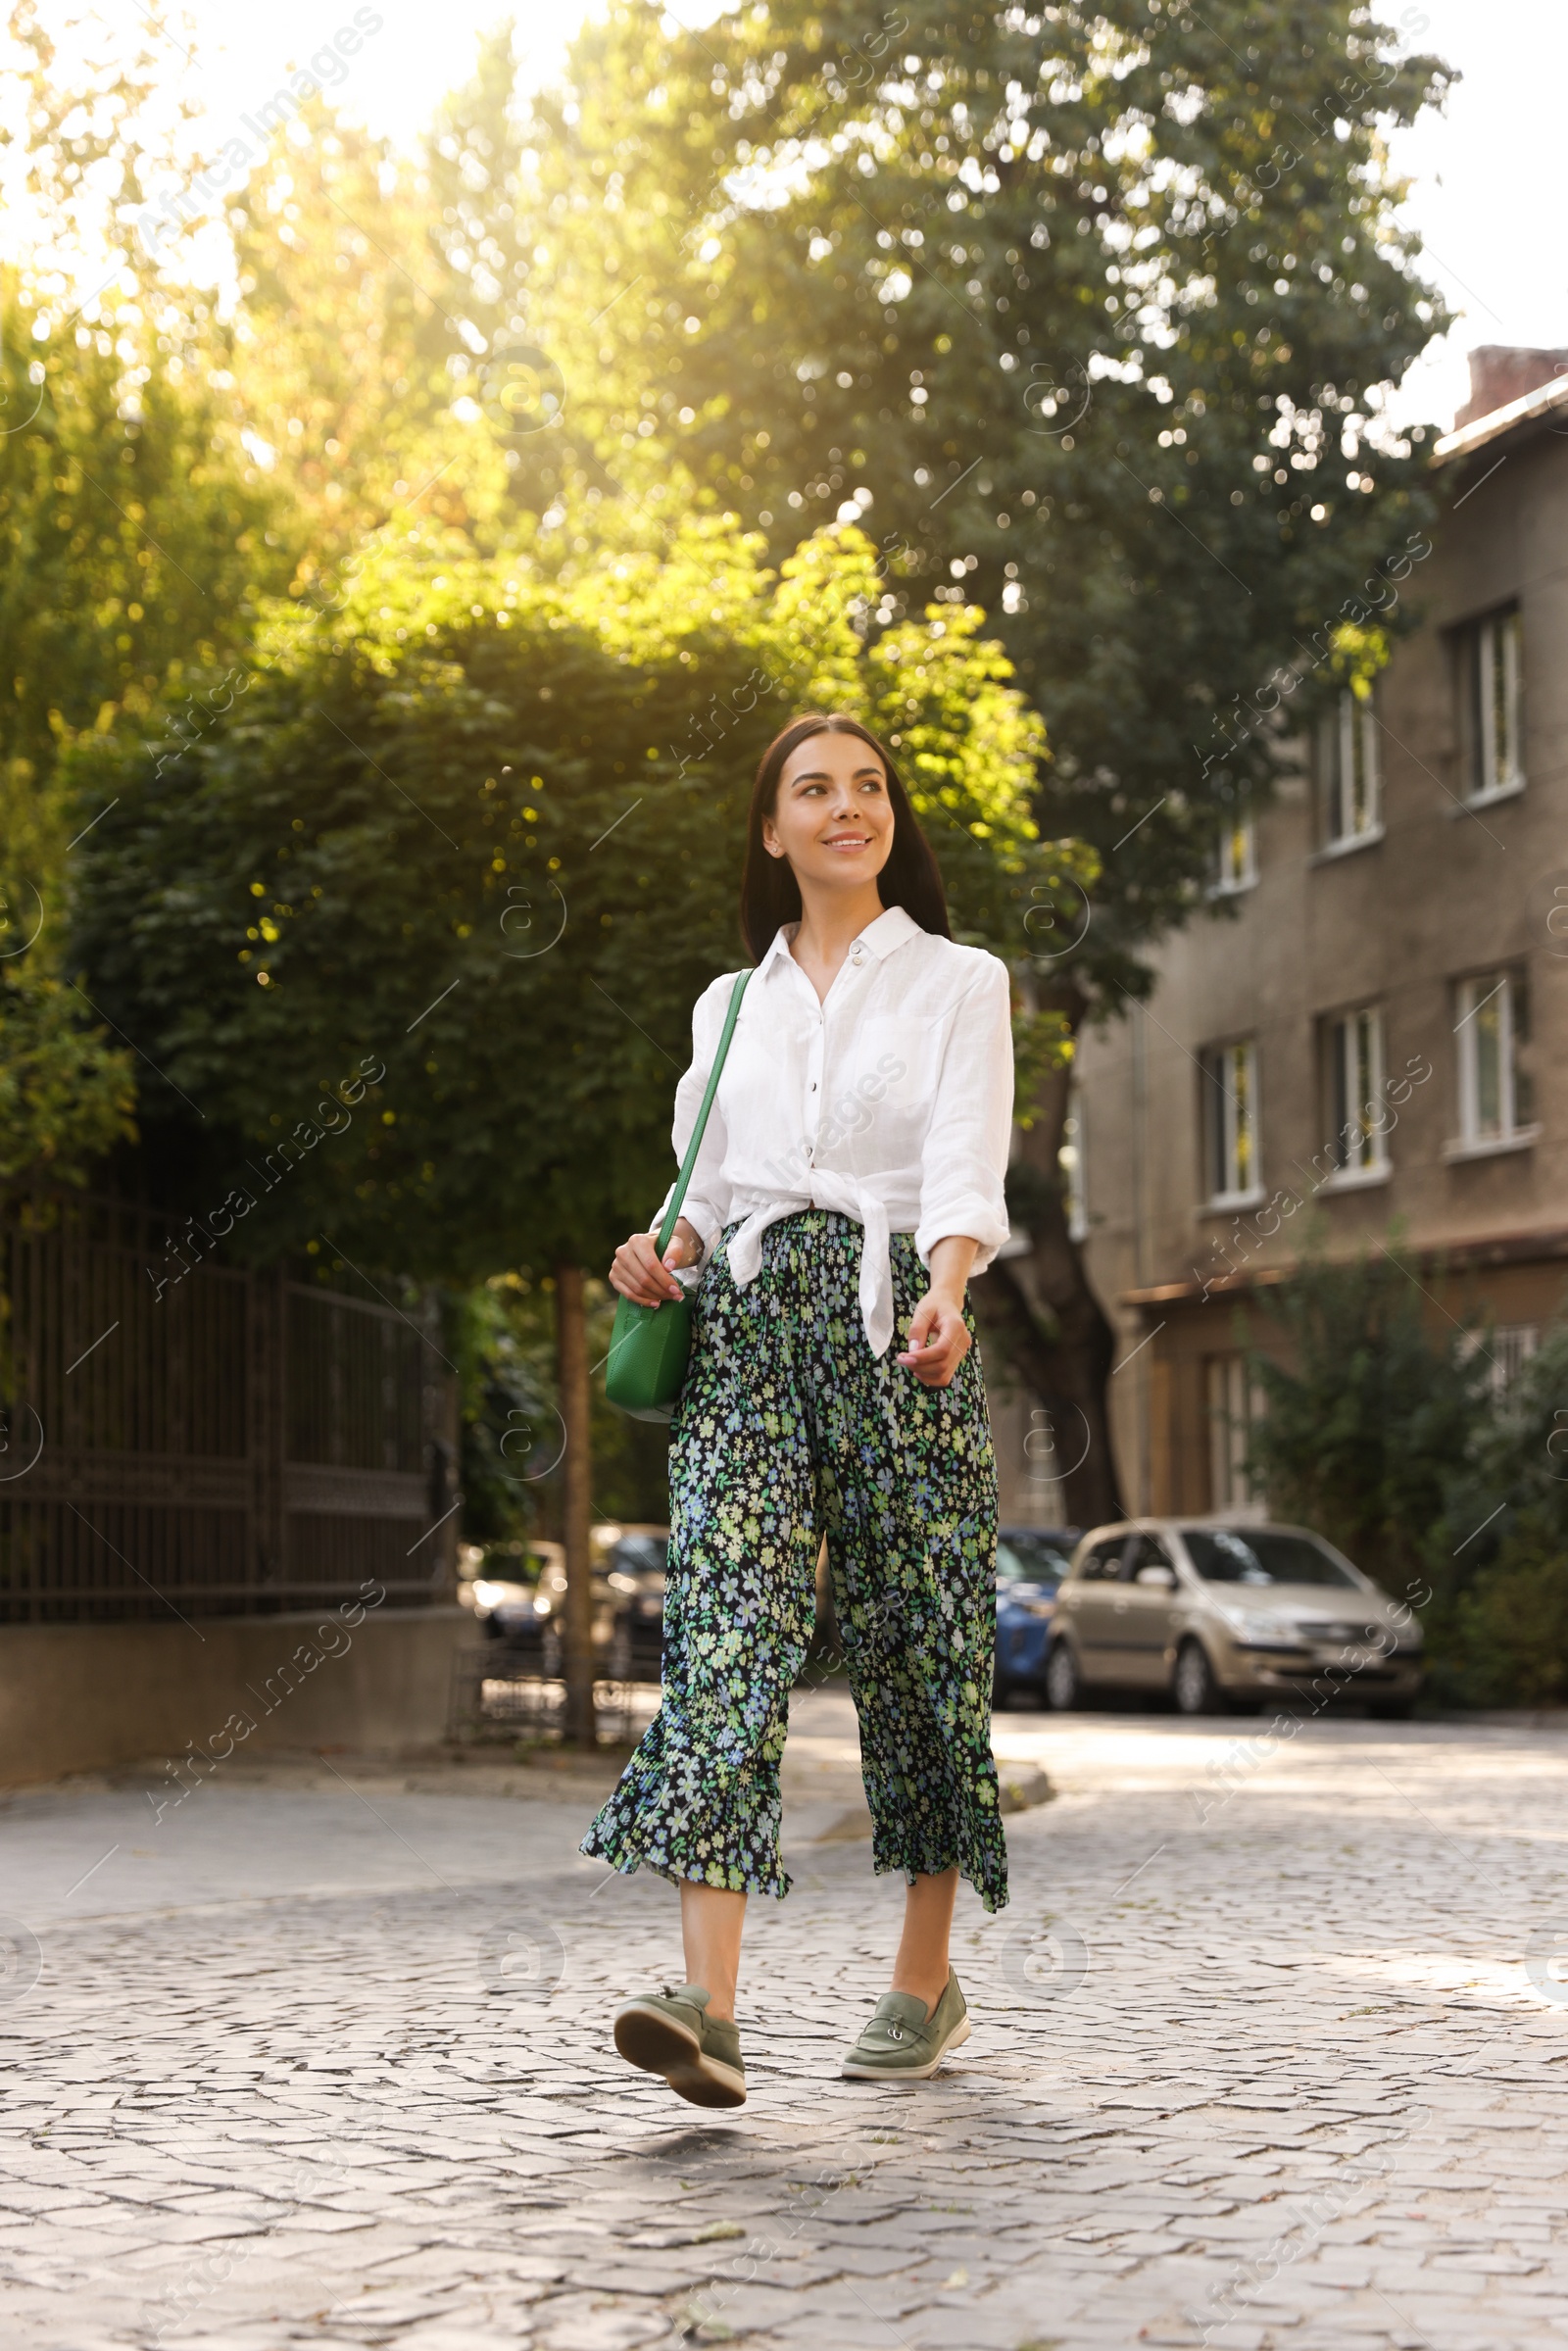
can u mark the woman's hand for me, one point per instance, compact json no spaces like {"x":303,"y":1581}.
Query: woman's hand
{"x":638,"y":1273}
{"x":938,"y":1338}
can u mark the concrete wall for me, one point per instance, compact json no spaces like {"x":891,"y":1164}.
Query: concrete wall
{"x":82,"y":1697}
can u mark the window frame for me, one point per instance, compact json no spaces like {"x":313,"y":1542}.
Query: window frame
{"x":1374,"y":1166}
{"x":1350,"y":724}
{"x":1478,"y":665}
{"x":1506,"y":985}
{"x":1227,"y":1381}
{"x":1226,"y":1102}
{"x":1512,"y":1345}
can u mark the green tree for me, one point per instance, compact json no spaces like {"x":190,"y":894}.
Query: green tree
{"x":127,"y":550}
{"x":1087,"y":309}
{"x":1504,"y":1639}
{"x":417,"y":933}
{"x":510,"y":1417}
{"x":1500,"y":1556}
{"x":1368,"y":1422}
{"x":125,"y":546}
{"x":353,"y":352}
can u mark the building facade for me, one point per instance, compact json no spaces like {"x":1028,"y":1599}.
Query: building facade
{"x":1369,"y":1026}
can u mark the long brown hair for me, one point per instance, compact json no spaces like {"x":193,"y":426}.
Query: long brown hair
{"x":770,"y":892}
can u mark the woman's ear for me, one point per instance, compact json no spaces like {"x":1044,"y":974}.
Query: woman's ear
{"x":770,"y":840}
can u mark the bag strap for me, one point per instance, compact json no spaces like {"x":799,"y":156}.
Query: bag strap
{"x":688,"y":1164}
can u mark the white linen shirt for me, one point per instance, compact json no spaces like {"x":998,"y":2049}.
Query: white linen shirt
{"x":891,"y":1103}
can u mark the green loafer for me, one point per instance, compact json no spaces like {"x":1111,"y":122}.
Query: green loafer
{"x":904,"y":2042}
{"x":673,"y":2034}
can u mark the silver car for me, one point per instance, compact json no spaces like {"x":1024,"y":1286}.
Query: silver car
{"x":1215,"y":1615}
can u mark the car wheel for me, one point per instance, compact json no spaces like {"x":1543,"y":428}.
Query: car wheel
{"x":1193,"y":1685}
{"x":1390,"y":1710}
{"x":1063,"y":1690}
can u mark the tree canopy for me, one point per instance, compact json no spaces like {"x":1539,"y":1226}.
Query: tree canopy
{"x":415,"y":930}
{"x":1086,"y":305}
{"x":1077,"y":318}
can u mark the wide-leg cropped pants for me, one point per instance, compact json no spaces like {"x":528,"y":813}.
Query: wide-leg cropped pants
{"x":788,"y":1428}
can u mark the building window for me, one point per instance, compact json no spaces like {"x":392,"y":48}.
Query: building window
{"x":1512,"y":1344}
{"x":1349,"y":773}
{"x":1230,"y":1105}
{"x":1235,"y":1405}
{"x":1491,"y":675}
{"x":1070,"y":1160}
{"x":1357,"y":1117}
{"x":1491,"y":1029}
{"x":1236,"y":854}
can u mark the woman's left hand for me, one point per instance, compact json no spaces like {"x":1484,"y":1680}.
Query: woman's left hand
{"x":938,"y":1339}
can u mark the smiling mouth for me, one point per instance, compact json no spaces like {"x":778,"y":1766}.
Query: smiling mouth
{"x":847,"y":841}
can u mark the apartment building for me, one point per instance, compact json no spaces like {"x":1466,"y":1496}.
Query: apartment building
{"x":1371,"y":1022}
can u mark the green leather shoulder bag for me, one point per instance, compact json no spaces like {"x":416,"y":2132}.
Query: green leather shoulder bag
{"x":648,"y":1345}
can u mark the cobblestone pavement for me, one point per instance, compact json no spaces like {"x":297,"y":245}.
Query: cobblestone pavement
{"x":1271,"y":2049}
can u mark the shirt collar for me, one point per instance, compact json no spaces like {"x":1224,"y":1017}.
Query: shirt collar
{"x":891,"y":927}
{"x":889,"y":931}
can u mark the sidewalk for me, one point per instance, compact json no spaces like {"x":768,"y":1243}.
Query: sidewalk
{"x":1267,"y":2051}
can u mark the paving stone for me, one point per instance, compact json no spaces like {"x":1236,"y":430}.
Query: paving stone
{"x":1303,"y":2098}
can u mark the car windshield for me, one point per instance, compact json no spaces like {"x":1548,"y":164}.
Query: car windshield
{"x":641,"y":1555}
{"x":1032,"y":1559}
{"x":1262,"y":1556}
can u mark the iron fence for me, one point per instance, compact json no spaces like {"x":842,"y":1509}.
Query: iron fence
{"x":225,"y":1441}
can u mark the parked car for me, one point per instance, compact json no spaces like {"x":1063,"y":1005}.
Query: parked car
{"x":1218,"y":1615}
{"x":509,"y":1593}
{"x":635,"y":1568}
{"x":629,"y":1575}
{"x":1031,"y":1562}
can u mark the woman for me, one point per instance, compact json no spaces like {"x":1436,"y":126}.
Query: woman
{"x":850,"y":1182}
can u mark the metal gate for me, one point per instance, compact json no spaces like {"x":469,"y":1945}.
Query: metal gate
{"x":231,"y":1442}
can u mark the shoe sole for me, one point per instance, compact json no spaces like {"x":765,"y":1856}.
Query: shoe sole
{"x":907,"y":2073}
{"x":654,"y":2042}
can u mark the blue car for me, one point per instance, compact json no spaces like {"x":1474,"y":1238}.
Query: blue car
{"x":1031,"y":1562}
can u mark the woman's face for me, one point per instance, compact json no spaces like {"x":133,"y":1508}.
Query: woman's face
{"x":832,"y":817}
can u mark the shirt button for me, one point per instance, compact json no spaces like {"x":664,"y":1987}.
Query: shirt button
{"x":856,"y":954}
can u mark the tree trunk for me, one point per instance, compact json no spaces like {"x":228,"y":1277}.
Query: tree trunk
{"x":571,"y":1365}
{"x":1045,"y":1318}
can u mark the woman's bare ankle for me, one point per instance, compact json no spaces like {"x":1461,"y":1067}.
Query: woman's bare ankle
{"x":926,"y":1987}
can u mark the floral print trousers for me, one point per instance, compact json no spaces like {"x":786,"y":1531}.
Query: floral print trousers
{"x":788,"y":1428}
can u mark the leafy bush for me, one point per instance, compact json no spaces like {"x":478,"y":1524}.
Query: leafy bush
{"x":1508,"y":1641}
{"x":1392,"y":1443}
{"x":1498,"y":1557}
{"x":1361,"y":1435}
{"x":467,"y":834}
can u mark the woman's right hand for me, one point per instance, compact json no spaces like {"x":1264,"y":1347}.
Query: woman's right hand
{"x":638,"y":1272}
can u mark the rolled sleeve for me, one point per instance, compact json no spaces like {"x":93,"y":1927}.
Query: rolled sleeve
{"x":705,"y":1206}
{"x":964,"y":1164}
